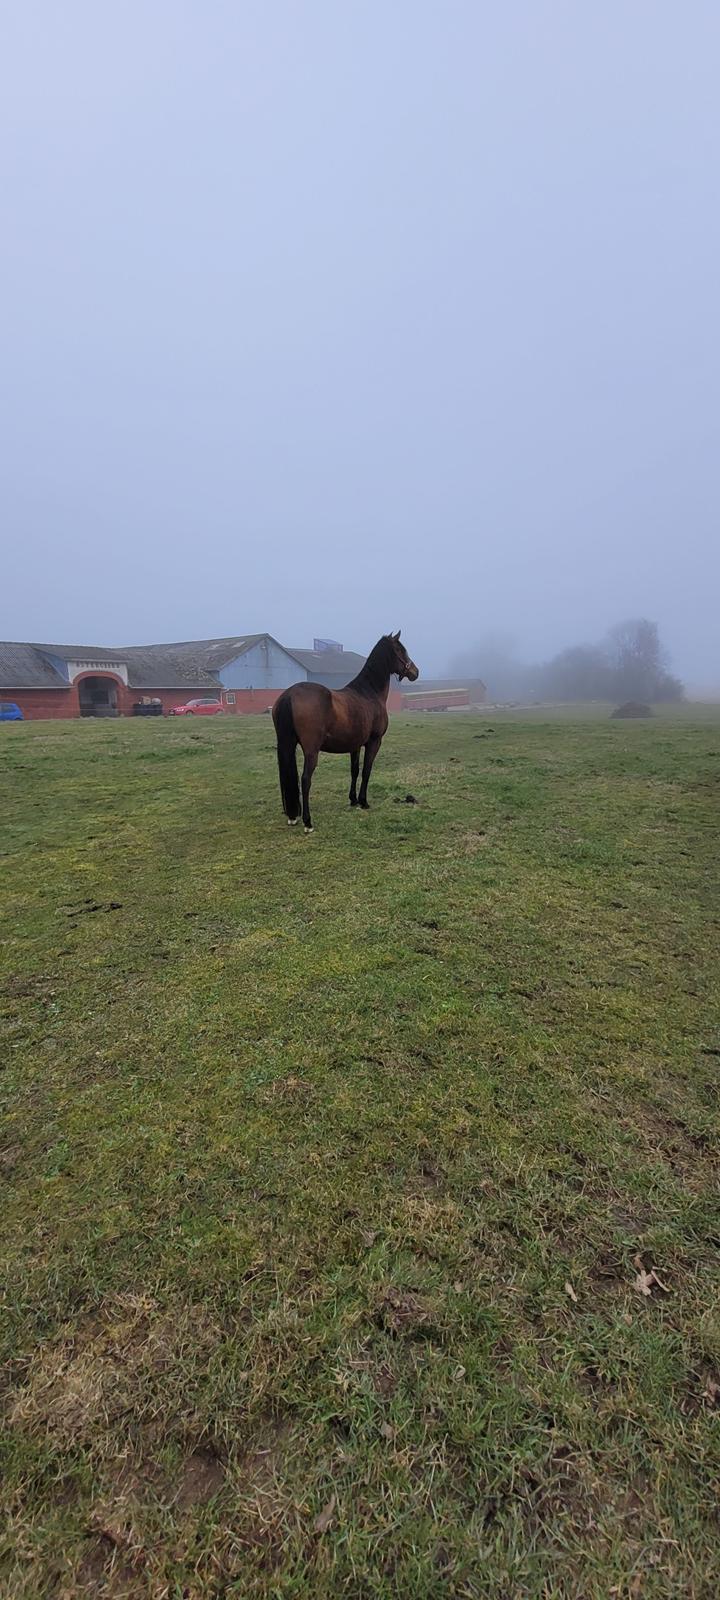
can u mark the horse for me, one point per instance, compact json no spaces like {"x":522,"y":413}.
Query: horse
{"x":340,"y":721}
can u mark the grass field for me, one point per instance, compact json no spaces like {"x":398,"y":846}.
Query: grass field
{"x":333,"y":1168}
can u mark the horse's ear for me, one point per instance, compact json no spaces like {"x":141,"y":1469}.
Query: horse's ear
{"x":396,"y":635}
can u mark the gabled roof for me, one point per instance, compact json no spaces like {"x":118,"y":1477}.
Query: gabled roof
{"x":23,"y":667}
{"x":334,"y":662}
{"x":200,"y":656}
{"x":81,"y":652}
{"x":185,"y":664}
{"x":205,"y":654}
{"x":159,"y":667}
{"x":436,"y":685}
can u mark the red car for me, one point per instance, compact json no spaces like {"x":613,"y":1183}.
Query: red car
{"x":197,"y":708}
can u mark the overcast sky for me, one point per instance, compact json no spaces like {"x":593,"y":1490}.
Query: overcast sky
{"x":336,"y":316}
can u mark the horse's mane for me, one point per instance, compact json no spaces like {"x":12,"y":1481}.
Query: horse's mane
{"x":378,"y":667}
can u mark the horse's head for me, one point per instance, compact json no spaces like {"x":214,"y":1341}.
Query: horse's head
{"x":401,"y":666}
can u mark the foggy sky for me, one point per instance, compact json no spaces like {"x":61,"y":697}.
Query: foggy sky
{"x":331,"y":318}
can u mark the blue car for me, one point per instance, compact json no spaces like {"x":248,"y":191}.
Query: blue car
{"x":9,"y":712}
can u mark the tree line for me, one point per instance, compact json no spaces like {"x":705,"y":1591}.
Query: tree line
{"x":629,"y":664}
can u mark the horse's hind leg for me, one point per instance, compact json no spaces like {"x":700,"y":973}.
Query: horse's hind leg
{"x":354,"y":770}
{"x":311,"y":761}
{"x":371,"y":750}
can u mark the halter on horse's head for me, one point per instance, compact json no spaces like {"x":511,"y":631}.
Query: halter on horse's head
{"x":402,"y":666}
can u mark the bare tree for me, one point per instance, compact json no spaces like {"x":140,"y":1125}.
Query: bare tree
{"x":637,"y":659}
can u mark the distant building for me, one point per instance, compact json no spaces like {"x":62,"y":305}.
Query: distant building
{"x":246,"y":671}
{"x":443,"y":694}
{"x":334,"y":667}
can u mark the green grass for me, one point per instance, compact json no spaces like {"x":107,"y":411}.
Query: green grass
{"x":326,"y":1163}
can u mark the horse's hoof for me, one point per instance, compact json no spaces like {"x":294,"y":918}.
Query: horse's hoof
{"x":292,"y":822}
{"x":309,"y":830}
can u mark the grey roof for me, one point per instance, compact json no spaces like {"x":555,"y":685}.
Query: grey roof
{"x":435,"y":685}
{"x":25,"y":666}
{"x":199,"y":654}
{"x":159,"y":667}
{"x":192,"y":659}
{"x":81,"y":652}
{"x":22,"y":667}
{"x":336,"y":663}
{"x":148,"y":666}
{"x":205,"y":653}
{"x":185,"y":664}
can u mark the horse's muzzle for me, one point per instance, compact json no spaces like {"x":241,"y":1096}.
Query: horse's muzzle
{"x":411,"y":672}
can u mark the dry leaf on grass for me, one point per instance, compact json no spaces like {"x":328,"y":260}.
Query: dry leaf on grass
{"x":571,"y":1292}
{"x":324,"y":1518}
{"x":645,"y":1282}
{"x":387,"y":1430}
{"x":712,"y":1392}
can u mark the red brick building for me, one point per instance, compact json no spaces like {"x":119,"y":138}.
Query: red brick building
{"x":75,"y":681}
{"x":245,"y":672}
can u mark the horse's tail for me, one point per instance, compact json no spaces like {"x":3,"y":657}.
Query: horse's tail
{"x":286,"y":744}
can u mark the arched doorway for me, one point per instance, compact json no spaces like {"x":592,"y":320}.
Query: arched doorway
{"x":98,"y":696}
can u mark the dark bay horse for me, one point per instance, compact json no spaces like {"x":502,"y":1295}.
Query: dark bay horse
{"x":341,"y":721}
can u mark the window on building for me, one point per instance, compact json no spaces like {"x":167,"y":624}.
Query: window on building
{"x":229,"y":697}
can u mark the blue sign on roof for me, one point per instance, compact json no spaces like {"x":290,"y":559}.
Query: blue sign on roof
{"x":326,"y":644}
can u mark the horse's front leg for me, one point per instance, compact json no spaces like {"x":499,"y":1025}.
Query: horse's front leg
{"x":371,"y":750}
{"x":311,"y":761}
{"x":354,"y":770}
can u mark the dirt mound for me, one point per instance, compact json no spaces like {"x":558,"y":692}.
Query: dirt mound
{"x":632,"y":708}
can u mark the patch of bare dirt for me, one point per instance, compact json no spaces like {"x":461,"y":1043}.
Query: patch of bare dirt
{"x":264,"y":1506}
{"x":117,"y":1559}
{"x":17,"y":988}
{"x":105,"y":1571}
{"x":564,"y":1489}
{"x":384,"y":1382}
{"x":629,"y":1222}
{"x":608,"y":1271}
{"x":202,"y":1477}
{"x":137,"y":1478}
{"x":430,"y":1176}
{"x":598,"y":1383}
{"x":90,"y":906}
{"x":668,"y":1137}
{"x":401,"y":1311}
{"x":701,"y":1391}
